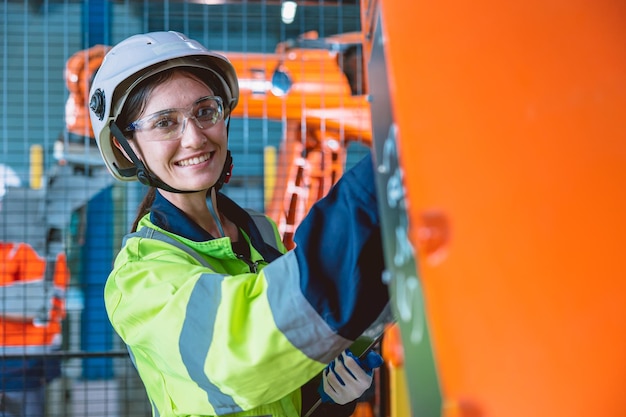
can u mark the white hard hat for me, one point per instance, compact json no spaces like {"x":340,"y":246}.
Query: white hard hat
{"x":132,"y":61}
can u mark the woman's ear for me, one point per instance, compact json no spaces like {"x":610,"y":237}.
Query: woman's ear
{"x":120,"y":148}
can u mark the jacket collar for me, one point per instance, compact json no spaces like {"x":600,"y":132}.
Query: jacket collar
{"x":168,"y":217}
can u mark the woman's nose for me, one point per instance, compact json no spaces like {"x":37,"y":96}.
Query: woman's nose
{"x":192,"y":134}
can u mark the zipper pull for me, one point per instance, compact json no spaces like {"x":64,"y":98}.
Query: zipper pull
{"x":252,"y":265}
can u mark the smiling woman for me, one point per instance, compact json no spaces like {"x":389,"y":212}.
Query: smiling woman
{"x":186,"y":156}
{"x":250,"y":326}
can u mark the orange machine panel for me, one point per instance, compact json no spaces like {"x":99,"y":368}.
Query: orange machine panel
{"x":511,"y":121}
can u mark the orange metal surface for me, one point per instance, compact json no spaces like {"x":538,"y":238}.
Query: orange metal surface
{"x":511,"y":126}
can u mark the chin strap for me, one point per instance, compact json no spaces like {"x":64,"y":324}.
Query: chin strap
{"x":213,"y":210}
{"x":227,"y":172}
{"x":147,"y":178}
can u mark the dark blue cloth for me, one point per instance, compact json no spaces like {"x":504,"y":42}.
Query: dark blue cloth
{"x":340,"y":253}
{"x":21,"y":374}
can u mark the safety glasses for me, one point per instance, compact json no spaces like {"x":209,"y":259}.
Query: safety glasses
{"x":170,"y":124}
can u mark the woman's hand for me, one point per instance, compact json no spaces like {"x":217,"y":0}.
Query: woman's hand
{"x":346,"y":378}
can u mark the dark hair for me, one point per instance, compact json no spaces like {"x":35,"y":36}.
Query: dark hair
{"x":144,"y":207}
{"x":136,"y":103}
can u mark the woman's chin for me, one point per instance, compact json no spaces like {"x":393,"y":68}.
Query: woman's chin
{"x":195,"y":184}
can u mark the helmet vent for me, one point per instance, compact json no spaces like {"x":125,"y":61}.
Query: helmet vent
{"x":97,"y":103}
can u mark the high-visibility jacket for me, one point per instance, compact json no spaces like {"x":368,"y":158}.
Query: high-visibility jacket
{"x":31,"y":312}
{"x":213,"y":333}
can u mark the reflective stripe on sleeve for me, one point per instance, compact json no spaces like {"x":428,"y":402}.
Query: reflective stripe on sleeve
{"x":294,"y":315}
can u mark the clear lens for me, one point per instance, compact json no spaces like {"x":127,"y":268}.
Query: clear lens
{"x":170,"y":124}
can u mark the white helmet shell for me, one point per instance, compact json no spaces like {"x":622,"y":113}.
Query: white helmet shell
{"x":132,"y":61}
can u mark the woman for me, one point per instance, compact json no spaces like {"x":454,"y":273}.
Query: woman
{"x":217,"y":317}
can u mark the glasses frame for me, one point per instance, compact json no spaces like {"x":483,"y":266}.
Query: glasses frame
{"x":188,"y":113}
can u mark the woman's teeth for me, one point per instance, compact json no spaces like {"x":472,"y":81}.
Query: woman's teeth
{"x":193,"y":161}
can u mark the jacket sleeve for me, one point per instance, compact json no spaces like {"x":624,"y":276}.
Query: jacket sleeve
{"x":340,"y":254}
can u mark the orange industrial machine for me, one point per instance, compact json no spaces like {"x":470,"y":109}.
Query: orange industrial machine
{"x":505,"y":148}
{"x":313,"y":85}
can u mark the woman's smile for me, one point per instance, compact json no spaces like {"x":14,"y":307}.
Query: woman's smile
{"x":195,"y":160}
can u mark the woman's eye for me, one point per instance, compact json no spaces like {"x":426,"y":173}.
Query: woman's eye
{"x":206,"y":113}
{"x":163,"y":123}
